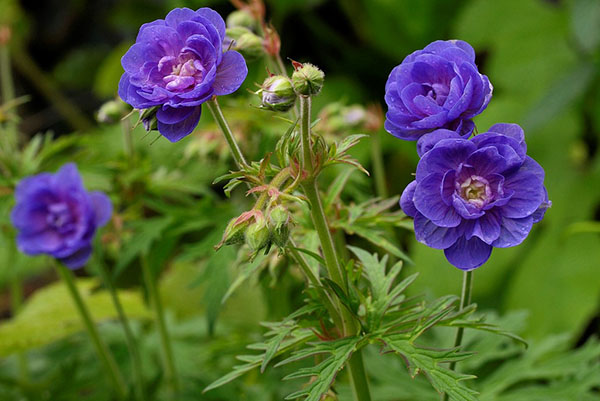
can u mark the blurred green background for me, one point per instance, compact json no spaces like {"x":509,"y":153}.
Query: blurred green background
{"x":542,"y":56}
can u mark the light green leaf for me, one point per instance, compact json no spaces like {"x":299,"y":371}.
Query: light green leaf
{"x":50,"y":315}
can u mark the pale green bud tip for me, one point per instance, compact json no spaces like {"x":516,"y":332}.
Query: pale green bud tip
{"x":245,"y":41}
{"x":277,"y":93}
{"x":258,"y":235}
{"x":112,"y":111}
{"x":308,"y":80}
{"x":241,"y":18}
{"x":279,"y":218}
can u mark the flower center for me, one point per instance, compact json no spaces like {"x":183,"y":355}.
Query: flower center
{"x":476,"y":190}
{"x":58,"y":216}
{"x":437,"y":91}
{"x":181,"y":72}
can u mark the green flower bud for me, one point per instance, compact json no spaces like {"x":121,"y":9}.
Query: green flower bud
{"x":246,"y":42}
{"x":258,"y":235}
{"x":148,"y":118}
{"x":308,"y":80}
{"x":279,"y":218}
{"x":112,"y":111}
{"x":234,"y":232}
{"x":277,"y":93}
{"x":241,"y":18}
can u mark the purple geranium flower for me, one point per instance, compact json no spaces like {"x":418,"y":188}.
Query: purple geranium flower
{"x":178,"y":63}
{"x":472,"y":195}
{"x":55,"y":215}
{"x":437,"y":87}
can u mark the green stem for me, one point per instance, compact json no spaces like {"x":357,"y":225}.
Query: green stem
{"x":128,"y":141}
{"x":156,"y":303}
{"x":358,"y":377}
{"x":16,"y":300}
{"x":315,"y":281}
{"x":378,"y":167}
{"x":217,"y":113}
{"x":465,"y":300}
{"x":359,"y":382}
{"x":8,"y":95}
{"x":27,"y":67}
{"x":129,"y":337}
{"x":8,"y":88}
{"x":101,"y":348}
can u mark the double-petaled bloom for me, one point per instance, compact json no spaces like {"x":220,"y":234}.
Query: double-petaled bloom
{"x":177,"y":64}
{"x":55,"y":215}
{"x":470,"y":196}
{"x":437,"y":87}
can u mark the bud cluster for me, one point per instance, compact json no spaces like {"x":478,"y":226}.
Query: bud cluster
{"x":259,"y":230}
{"x":279,"y":93}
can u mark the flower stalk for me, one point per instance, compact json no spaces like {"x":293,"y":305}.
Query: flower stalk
{"x":136,"y":361}
{"x":236,"y":152}
{"x":159,"y":316}
{"x":465,"y":300}
{"x":102,"y":350}
{"x":359,"y":382}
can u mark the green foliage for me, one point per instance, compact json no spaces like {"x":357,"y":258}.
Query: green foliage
{"x":322,"y":375}
{"x":50,"y":315}
{"x":429,"y":362}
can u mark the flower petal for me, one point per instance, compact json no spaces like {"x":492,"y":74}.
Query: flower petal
{"x":446,"y":155}
{"x":513,"y":231}
{"x":77,"y":259}
{"x":231,"y":73}
{"x":102,"y":207}
{"x":176,"y":131}
{"x":428,"y":141}
{"x":406,"y":200}
{"x":433,"y":235}
{"x":428,"y":201}
{"x":468,"y":254}
{"x":215,"y":18}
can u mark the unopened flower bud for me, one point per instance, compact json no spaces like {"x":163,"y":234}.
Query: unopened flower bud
{"x":258,"y":235}
{"x":279,"y":218}
{"x":148,"y":118}
{"x":277,"y":93}
{"x":245,"y":41}
{"x":308,"y":79}
{"x":112,"y":111}
{"x":234,"y":232}
{"x":241,"y":18}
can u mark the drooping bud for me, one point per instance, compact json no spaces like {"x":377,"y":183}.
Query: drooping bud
{"x":148,"y":118}
{"x":279,"y":218}
{"x":234,"y":232}
{"x":308,"y":79}
{"x":112,"y":111}
{"x":245,"y":41}
{"x":277,"y":93}
{"x":241,"y":18}
{"x":258,"y":235}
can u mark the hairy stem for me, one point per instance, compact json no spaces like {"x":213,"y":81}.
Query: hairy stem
{"x":159,"y":316}
{"x":102,"y":350}
{"x":136,"y":361}
{"x":217,"y":113}
{"x":465,"y":300}
{"x":359,"y":382}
